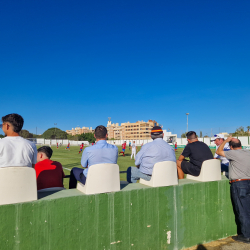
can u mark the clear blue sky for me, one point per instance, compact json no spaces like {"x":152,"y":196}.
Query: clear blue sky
{"x":79,"y":62}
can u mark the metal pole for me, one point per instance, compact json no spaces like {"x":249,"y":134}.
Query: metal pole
{"x":55,"y":129}
{"x":187,"y":121}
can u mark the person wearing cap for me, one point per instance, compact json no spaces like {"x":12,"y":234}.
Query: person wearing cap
{"x":218,"y":140}
{"x":239,"y":178}
{"x":156,"y":151}
{"x":197,"y":151}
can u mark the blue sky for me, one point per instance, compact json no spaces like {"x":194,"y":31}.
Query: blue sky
{"x":80,"y":62}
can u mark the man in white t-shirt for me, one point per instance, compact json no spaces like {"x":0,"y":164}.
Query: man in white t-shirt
{"x":218,"y":140}
{"x":134,"y":148}
{"x":15,"y":151}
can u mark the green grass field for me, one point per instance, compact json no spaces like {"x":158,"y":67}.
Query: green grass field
{"x":72,"y":158}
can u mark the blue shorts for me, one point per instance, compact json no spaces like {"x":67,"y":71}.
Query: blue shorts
{"x":123,"y":149}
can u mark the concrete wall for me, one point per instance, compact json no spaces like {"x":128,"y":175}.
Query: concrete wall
{"x":137,"y":217}
{"x":245,"y":141}
{"x":54,"y":142}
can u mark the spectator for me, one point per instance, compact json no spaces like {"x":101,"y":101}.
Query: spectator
{"x":239,"y":176}
{"x":218,"y":140}
{"x":156,"y":151}
{"x":101,"y":152}
{"x":15,"y":151}
{"x":48,"y":173}
{"x":197,"y":151}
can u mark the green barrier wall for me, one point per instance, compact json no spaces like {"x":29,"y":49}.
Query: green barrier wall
{"x":138,"y":217}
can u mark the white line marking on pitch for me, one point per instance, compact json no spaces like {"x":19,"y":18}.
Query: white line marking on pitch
{"x":67,"y":168}
{"x":66,"y":158}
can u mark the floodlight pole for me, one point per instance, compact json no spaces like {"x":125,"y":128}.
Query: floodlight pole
{"x":187,"y":121}
{"x":55,"y":129}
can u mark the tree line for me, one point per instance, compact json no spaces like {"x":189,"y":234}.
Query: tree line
{"x":238,"y":132}
{"x":56,"y":133}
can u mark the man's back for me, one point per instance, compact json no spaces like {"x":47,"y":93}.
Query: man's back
{"x":239,"y":164}
{"x":198,"y":152}
{"x":101,"y":152}
{"x":153,"y":152}
{"x":16,"y":151}
{"x":49,"y":174}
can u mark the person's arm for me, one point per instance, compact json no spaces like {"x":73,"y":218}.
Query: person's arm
{"x":34,"y":158}
{"x":138,"y":158}
{"x":84,"y":160}
{"x":181,"y":158}
{"x":220,"y":150}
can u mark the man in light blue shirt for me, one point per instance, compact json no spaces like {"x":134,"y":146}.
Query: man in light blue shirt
{"x":101,"y":152}
{"x":156,"y":151}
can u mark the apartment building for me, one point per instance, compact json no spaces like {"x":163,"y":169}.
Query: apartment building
{"x":139,"y":130}
{"x":78,"y":131}
{"x":114,"y":131}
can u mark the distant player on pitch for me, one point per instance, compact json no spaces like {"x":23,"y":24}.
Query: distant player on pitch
{"x":68,"y":147}
{"x":81,"y":147}
{"x":134,"y":149}
{"x":123,"y":148}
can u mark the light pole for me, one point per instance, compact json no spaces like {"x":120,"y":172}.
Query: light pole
{"x":187,"y":121}
{"x":55,"y":129}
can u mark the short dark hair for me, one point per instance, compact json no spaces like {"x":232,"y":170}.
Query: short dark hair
{"x":156,"y":136}
{"x":191,"y":135}
{"x":235,"y":144}
{"x":15,"y":120}
{"x":46,"y":150}
{"x":100,"y":132}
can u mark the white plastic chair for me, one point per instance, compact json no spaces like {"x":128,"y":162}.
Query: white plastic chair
{"x":50,"y":189}
{"x":17,"y":184}
{"x":102,"y":178}
{"x":164,"y":174}
{"x":210,"y":171}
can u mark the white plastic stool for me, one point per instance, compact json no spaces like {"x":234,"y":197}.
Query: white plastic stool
{"x":164,"y":174}
{"x":102,"y":178}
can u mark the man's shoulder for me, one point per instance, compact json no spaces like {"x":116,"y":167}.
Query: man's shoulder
{"x":198,"y":144}
{"x":112,"y":146}
{"x":57,"y":163}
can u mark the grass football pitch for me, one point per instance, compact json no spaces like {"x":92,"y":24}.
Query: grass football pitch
{"x":71,"y":158}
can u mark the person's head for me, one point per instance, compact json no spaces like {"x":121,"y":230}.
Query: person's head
{"x":101,"y":133}
{"x":235,"y":144}
{"x":156,"y":133}
{"x":133,"y":141}
{"x":12,"y":124}
{"x":191,"y":136}
{"x":218,"y":139}
{"x":44,"y":153}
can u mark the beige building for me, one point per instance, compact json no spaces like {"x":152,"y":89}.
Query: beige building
{"x":139,"y":130}
{"x":78,"y":131}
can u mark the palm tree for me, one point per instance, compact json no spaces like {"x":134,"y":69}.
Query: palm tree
{"x":248,"y":127}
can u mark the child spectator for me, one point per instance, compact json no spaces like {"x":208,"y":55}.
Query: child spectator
{"x":48,"y":173}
